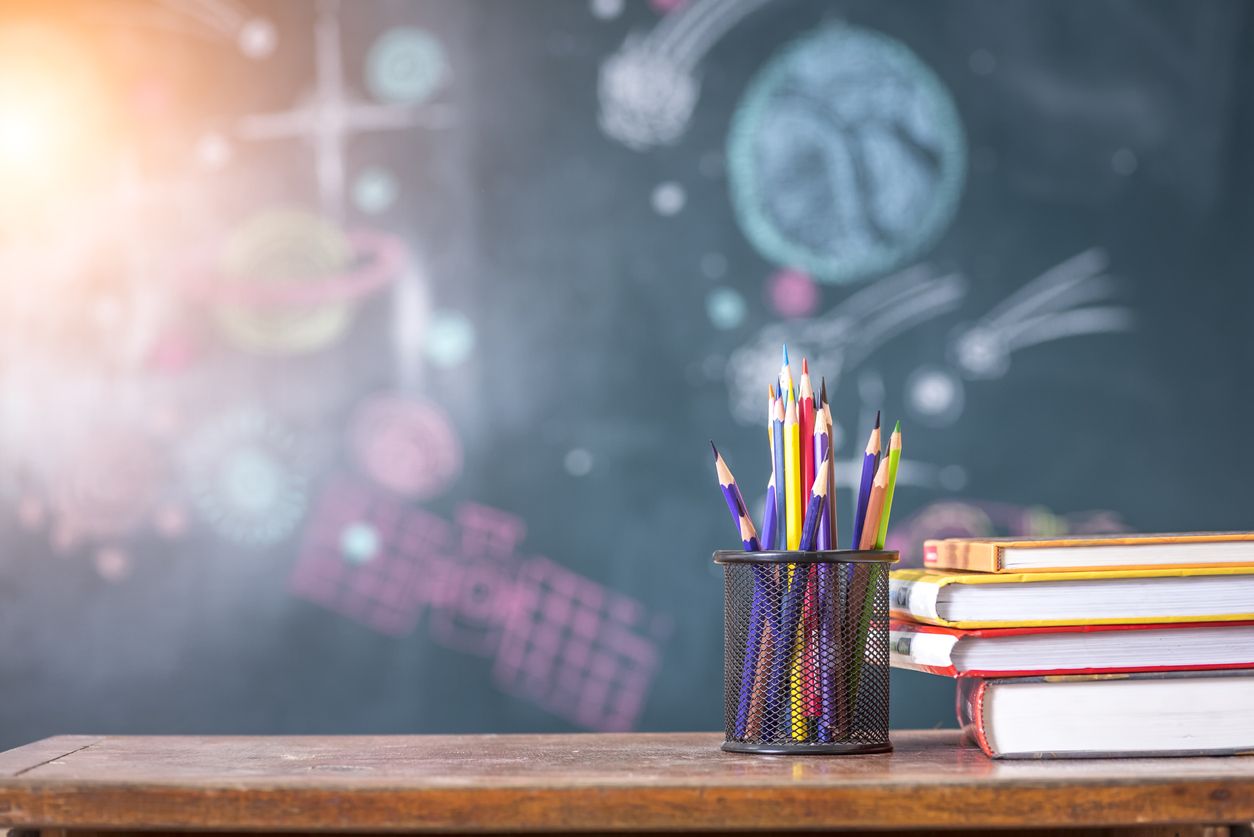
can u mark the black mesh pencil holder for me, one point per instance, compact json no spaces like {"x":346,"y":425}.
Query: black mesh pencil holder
{"x":806,"y":651}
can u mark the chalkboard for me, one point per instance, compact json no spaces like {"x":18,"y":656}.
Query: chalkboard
{"x":359,"y":359}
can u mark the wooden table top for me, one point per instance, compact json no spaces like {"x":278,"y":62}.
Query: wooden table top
{"x":588,"y":782}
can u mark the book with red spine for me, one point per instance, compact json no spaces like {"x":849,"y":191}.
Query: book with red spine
{"x":1073,"y":649}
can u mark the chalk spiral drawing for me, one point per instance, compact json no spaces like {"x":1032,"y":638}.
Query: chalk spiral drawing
{"x":330,"y":115}
{"x":846,"y":155}
{"x":1053,"y":306}
{"x":405,"y":444}
{"x":569,"y":645}
{"x":649,"y":87}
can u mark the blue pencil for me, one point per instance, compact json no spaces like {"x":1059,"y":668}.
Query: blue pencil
{"x":814,"y":513}
{"x":870,"y":461}
{"x":770,"y":521}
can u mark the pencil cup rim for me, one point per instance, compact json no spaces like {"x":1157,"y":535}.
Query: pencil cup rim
{"x":826,"y":556}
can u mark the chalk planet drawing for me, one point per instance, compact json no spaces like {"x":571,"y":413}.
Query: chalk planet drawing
{"x":846,"y":155}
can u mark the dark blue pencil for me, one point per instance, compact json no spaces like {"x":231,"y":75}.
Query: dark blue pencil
{"x":869,"y":462}
{"x":736,"y":504}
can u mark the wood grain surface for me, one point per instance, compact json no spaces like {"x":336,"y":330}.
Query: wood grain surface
{"x":589,"y":783}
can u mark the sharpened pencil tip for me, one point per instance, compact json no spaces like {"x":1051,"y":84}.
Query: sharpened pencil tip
{"x":805,"y":366}
{"x":877,"y":419}
{"x":785,"y":354}
{"x":714,"y":449}
{"x":823,"y":389}
{"x":897,"y":426}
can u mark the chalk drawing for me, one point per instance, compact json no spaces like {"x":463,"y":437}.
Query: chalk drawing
{"x":331,"y":115}
{"x":214,"y":21}
{"x":246,"y":476}
{"x":577,"y":649}
{"x":846,"y":155}
{"x":839,"y":340}
{"x":405,"y":65}
{"x":405,"y":444}
{"x":1060,"y":303}
{"x":649,"y":87}
{"x":792,"y":293}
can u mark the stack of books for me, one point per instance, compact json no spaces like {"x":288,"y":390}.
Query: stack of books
{"x":1095,"y":646}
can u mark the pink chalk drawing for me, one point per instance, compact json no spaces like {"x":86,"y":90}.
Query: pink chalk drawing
{"x":362,"y":556}
{"x":405,"y":445}
{"x":663,"y":7}
{"x":980,"y":519}
{"x":576,"y":649}
{"x":562,"y":641}
{"x":792,"y":293}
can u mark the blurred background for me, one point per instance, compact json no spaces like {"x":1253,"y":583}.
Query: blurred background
{"x":357,"y":359}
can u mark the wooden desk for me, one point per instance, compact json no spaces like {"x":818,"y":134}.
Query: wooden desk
{"x":660,"y":782}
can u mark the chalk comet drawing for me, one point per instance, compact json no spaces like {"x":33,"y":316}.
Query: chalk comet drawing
{"x":649,"y":87}
{"x":1057,"y":304}
{"x":842,"y":338}
{"x":330,"y":115}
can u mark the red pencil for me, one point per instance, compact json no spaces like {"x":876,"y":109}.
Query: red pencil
{"x":805,"y":429}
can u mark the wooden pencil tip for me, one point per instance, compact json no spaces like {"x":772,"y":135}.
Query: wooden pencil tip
{"x":897,"y":426}
{"x":823,"y":389}
{"x":877,"y":419}
{"x":714,"y":449}
{"x":805,"y":366}
{"x":785,"y":354}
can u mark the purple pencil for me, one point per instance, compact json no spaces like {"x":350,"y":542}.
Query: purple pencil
{"x":736,"y":503}
{"x":770,"y":521}
{"x":869,"y":462}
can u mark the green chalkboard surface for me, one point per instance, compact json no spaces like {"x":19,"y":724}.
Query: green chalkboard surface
{"x":359,"y":359}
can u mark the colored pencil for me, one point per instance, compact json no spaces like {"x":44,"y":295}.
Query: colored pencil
{"x":870,"y":460}
{"x":834,"y":541}
{"x":777,"y":468}
{"x":894,"y":459}
{"x":874,"y":507}
{"x":792,"y":475}
{"x":814,"y":510}
{"x":770,"y":523}
{"x":785,"y":377}
{"x":805,"y":428}
{"x":822,"y":443}
{"x":736,"y":503}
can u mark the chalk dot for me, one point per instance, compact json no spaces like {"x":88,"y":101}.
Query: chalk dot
{"x":606,"y":9}
{"x":725,"y":307}
{"x":982,"y":62}
{"x":359,"y":542}
{"x":375,"y":190}
{"x":450,"y":338}
{"x":1123,"y":161}
{"x":792,"y":293}
{"x":251,"y":480}
{"x":981,"y":352}
{"x":405,"y":65}
{"x":113,"y":564}
{"x":934,"y":395}
{"x":578,"y":462}
{"x":952,"y":477}
{"x":257,"y":38}
{"x":213,"y":151}
{"x":714,"y":265}
{"x":668,"y":198}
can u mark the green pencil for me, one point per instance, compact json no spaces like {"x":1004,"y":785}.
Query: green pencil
{"x":894,"y":459}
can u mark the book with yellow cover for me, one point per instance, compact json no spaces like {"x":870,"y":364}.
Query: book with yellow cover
{"x":1090,"y":552}
{"x":1105,"y":597}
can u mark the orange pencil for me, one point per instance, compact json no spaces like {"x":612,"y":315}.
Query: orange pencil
{"x":874,"y":507}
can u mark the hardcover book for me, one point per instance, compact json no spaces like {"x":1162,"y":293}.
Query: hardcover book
{"x":1049,"y":554}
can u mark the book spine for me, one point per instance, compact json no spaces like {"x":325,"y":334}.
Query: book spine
{"x":922,"y":652}
{"x":917,"y":599}
{"x":976,"y":713}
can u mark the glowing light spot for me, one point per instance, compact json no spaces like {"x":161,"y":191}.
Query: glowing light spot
{"x":726,"y":308}
{"x":934,"y":395}
{"x":606,"y":9}
{"x":668,"y":198}
{"x":375,"y":190}
{"x":405,"y":65}
{"x":792,"y":293}
{"x":1123,"y":161}
{"x":213,"y":151}
{"x":450,"y":338}
{"x":257,"y":38}
{"x":359,"y":542}
{"x":113,"y":564}
{"x":578,"y":462}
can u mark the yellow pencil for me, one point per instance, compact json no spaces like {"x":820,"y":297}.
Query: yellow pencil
{"x":792,"y":475}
